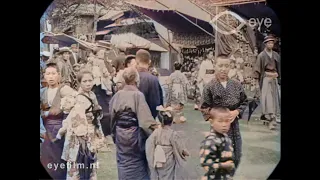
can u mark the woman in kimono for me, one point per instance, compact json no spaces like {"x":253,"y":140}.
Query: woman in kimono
{"x":82,"y":131}
{"x":132,"y":123}
{"x":224,"y":92}
{"x":267,"y":71}
{"x":52,"y":115}
{"x":233,"y":71}
{"x":196,"y":90}
{"x":177,"y":92}
{"x":206,"y":71}
{"x":177,"y":86}
{"x":165,"y":151}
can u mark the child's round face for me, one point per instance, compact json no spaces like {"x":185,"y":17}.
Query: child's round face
{"x":221,"y":122}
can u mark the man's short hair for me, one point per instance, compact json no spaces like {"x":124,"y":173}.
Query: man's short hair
{"x":214,"y":111}
{"x":143,"y":56}
{"x":222,"y":56}
{"x":52,"y":65}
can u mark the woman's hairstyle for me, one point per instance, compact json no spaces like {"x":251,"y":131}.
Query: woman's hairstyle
{"x":52,"y":65}
{"x":177,"y":66}
{"x":130,"y":76}
{"x":81,"y":73}
{"x":164,"y":118}
{"x":128,"y":60}
{"x":118,"y":63}
{"x":207,"y":53}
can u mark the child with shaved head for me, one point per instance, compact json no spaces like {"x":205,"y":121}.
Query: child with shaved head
{"x":216,"y":150}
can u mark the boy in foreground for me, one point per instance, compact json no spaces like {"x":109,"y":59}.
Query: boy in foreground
{"x":216,"y":150}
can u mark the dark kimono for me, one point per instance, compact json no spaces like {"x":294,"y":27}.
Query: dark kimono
{"x":103,"y":101}
{"x":65,"y":71}
{"x":265,"y":63}
{"x":270,"y":91}
{"x":232,"y":97}
{"x":51,"y":150}
{"x":150,"y":87}
{"x":131,"y":123}
{"x":216,"y":149}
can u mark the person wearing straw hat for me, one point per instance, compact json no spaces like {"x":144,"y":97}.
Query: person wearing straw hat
{"x":65,"y":66}
{"x":55,"y":56}
{"x":206,"y":71}
{"x":75,"y":55}
{"x":44,"y":57}
{"x":267,"y":71}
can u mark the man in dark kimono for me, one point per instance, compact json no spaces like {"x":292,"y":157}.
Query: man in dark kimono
{"x":67,"y":76}
{"x":149,"y":84}
{"x":74,"y":59}
{"x":227,"y":93}
{"x":267,"y":71}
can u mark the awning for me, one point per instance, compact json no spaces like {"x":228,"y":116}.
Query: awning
{"x":192,"y":17}
{"x":131,"y":40}
{"x":125,"y":22}
{"x":112,"y":15}
{"x":213,"y":3}
{"x":66,"y":40}
{"x":103,"y":43}
{"x":148,"y":5}
{"x":164,"y":14}
{"x":104,"y":32}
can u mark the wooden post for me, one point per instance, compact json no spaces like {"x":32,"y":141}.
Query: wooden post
{"x":216,"y":37}
{"x":169,"y":47}
{"x":95,"y":22}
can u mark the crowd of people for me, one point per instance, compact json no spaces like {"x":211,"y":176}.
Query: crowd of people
{"x":83,"y":102}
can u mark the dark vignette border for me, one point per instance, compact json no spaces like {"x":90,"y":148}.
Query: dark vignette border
{"x":44,"y":4}
{"x":279,"y":9}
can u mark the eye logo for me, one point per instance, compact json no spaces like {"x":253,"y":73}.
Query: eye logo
{"x":214,"y":22}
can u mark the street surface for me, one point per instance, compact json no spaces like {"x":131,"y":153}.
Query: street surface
{"x":261,"y":148}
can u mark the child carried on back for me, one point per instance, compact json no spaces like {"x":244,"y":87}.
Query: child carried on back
{"x":166,"y":154}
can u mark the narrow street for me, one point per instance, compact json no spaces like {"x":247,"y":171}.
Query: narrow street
{"x":261,"y":148}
